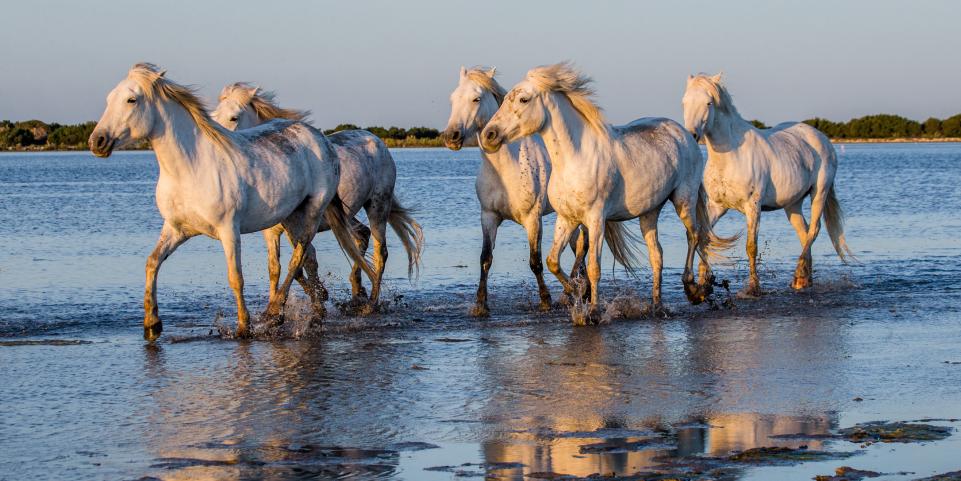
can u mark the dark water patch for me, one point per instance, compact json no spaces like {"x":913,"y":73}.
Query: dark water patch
{"x":412,"y":446}
{"x":783,"y":455}
{"x":895,"y":432}
{"x":952,"y":476}
{"x":845,"y":473}
{"x":881,"y":431}
{"x":476,"y":470}
{"x":45,"y":342}
{"x":623,"y":446}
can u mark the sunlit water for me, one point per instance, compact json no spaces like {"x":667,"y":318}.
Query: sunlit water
{"x":82,"y":396}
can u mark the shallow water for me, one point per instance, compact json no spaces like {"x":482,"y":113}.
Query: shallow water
{"x":83,"y":397}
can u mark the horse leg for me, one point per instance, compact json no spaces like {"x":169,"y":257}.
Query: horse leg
{"x":378,"y":232}
{"x":362,"y":239}
{"x":311,"y":281}
{"x":272,"y":240}
{"x":489,"y":224}
{"x":595,"y":232}
{"x":704,"y":275}
{"x":230,"y":239}
{"x":655,"y":254}
{"x":301,"y":225}
{"x":533,"y":227}
{"x":795,"y":215}
{"x":579,"y":245}
{"x":802,"y":275}
{"x":563,"y":228}
{"x":170,"y":239}
{"x":753,"y":214}
{"x":685,"y":211}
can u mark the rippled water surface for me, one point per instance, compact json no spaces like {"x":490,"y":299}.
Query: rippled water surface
{"x":424,"y":392}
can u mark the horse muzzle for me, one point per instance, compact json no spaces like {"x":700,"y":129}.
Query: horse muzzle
{"x":491,"y":139}
{"x":453,"y":139}
{"x":101,"y":144}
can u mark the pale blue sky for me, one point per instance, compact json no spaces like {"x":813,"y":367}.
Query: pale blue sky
{"x":395,"y":62}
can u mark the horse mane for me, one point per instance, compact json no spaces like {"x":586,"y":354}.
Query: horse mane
{"x":262,"y":102}
{"x":565,"y":79}
{"x":485,"y":79}
{"x":718,"y":92}
{"x":154,"y":85}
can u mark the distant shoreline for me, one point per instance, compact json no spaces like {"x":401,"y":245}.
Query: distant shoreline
{"x":432,"y":145}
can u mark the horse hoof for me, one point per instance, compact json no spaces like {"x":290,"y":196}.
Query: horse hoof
{"x":697,"y":293}
{"x":269,"y":318}
{"x":589,"y":317}
{"x":152,"y":332}
{"x":545,"y":305}
{"x":359,"y":296}
{"x":750,"y":292}
{"x":801,"y":283}
{"x":367,"y":309}
{"x":243,"y":332}
{"x":479,"y":310}
{"x":320,"y":310}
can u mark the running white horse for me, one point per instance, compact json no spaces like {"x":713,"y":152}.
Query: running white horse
{"x":222,"y":184}
{"x":604,"y":173}
{"x":367,"y":175}
{"x":753,"y":170}
{"x":512,"y":182}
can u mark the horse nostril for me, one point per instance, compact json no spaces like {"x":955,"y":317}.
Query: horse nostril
{"x":101,"y":141}
{"x":455,"y":135}
{"x":491,"y":134}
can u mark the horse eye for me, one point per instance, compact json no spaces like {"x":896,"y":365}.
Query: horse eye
{"x":132,"y":100}
{"x":710,"y":103}
{"x":524,"y":100}
{"x":476,"y":100}
{"x":233,"y":119}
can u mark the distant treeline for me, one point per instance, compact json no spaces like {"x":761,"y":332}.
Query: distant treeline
{"x":398,"y":136}
{"x":37,"y":135}
{"x":885,"y":126}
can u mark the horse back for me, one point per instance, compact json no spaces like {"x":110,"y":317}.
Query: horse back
{"x":659,"y":139}
{"x":367,"y":168}
{"x":802,"y":143}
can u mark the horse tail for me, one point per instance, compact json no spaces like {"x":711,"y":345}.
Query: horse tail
{"x":337,"y":219}
{"x":834,"y":222}
{"x":710,"y":242}
{"x":621,"y":242}
{"x":410,"y":234}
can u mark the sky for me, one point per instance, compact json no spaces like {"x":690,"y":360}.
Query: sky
{"x":396,"y":62}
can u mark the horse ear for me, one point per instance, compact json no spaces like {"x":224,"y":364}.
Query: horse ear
{"x":492,"y":72}
{"x":252,"y":91}
{"x":162,"y":73}
{"x":463,"y":71}
{"x":717,"y":78}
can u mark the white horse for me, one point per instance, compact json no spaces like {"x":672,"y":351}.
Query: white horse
{"x":604,"y":173}
{"x":512,"y":182}
{"x":753,"y":170}
{"x":222,"y":184}
{"x":367,"y":175}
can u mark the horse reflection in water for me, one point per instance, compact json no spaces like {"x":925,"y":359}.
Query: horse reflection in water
{"x":533,"y":395}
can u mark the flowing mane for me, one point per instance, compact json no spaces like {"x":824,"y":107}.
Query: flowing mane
{"x":151,"y":79}
{"x":484,"y":77}
{"x":718,"y":92}
{"x":564,"y":78}
{"x":262,"y":102}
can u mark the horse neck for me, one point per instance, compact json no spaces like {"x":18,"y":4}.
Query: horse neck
{"x":177,"y":142}
{"x":566,"y":134}
{"x":726,"y":133}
